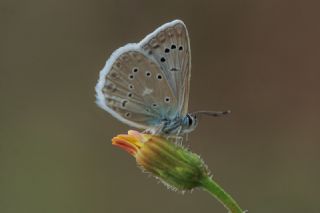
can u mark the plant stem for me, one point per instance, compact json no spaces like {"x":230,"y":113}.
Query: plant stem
{"x":215,"y":190}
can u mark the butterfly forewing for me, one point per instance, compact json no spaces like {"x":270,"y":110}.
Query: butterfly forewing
{"x":169,"y":46}
{"x":133,"y":88}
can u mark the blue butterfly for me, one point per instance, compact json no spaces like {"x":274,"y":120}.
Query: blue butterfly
{"x":146,"y":84}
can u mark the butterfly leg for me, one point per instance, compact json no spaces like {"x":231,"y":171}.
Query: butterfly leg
{"x":187,"y":136}
{"x":177,"y":138}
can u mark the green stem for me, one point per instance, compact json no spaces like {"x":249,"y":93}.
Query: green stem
{"x":215,"y":190}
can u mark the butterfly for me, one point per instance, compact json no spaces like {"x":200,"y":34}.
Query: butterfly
{"x":146,"y":85}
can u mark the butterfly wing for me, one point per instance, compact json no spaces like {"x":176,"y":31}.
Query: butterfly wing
{"x":169,"y":45}
{"x":132,"y":88}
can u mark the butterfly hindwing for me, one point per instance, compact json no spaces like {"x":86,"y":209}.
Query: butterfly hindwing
{"x":169,"y":45}
{"x":133,"y":88}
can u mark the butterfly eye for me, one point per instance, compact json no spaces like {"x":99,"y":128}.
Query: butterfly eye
{"x":131,"y":77}
{"x":124,"y":103}
{"x":174,"y":69}
{"x":148,"y":74}
{"x":135,"y":70}
{"x":190,"y":121}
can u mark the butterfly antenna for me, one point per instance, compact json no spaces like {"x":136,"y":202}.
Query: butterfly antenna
{"x":212,"y":113}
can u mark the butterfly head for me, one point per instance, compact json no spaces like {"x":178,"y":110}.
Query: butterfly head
{"x":190,"y":122}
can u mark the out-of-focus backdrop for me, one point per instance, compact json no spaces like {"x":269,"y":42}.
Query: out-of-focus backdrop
{"x":261,"y":59}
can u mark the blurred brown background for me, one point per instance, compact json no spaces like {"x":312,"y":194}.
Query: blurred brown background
{"x":258,"y":58}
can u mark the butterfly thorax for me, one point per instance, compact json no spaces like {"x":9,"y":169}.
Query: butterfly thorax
{"x":179,"y":125}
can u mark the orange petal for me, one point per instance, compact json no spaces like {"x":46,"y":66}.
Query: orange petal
{"x":125,"y":145}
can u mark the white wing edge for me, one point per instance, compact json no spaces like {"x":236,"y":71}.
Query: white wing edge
{"x":100,"y":98}
{"x":162,"y":27}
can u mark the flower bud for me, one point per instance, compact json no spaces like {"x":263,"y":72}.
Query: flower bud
{"x":171,"y":163}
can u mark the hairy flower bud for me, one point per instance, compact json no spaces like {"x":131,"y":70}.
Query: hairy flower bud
{"x":173,"y":164}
